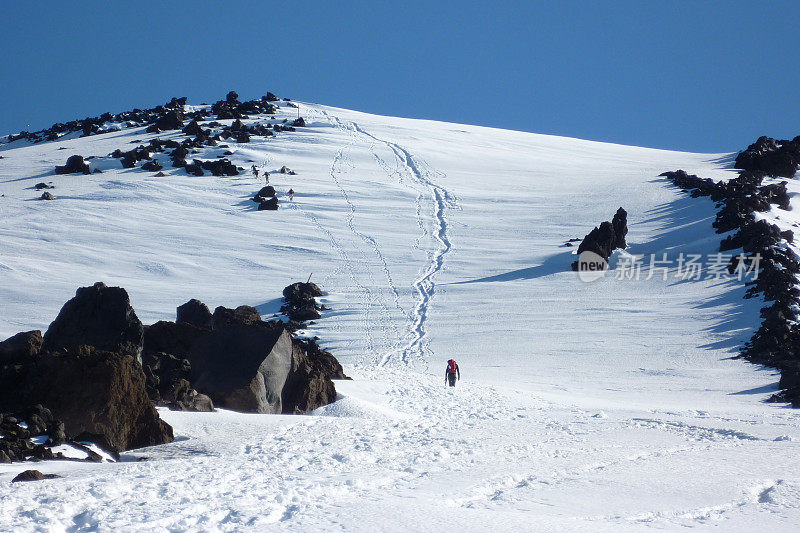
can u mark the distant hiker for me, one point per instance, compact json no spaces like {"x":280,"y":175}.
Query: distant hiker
{"x":291,"y":194}
{"x":266,"y":177}
{"x":451,"y":373}
{"x":255,"y":170}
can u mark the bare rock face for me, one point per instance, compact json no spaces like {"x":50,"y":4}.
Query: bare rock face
{"x":20,"y":347}
{"x":97,"y":316}
{"x":242,"y":364}
{"x":96,"y":394}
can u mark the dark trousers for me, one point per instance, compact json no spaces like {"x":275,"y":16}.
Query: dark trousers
{"x":451,"y":378}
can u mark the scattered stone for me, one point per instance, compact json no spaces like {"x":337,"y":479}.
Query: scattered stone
{"x":46,"y":196}
{"x":40,"y":186}
{"x":152,"y":166}
{"x":33,"y":475}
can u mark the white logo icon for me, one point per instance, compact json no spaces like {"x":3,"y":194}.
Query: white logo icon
{"x":591,"y":266}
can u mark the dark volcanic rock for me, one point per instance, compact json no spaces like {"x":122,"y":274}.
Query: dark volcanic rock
{"x":152,"y":166}
{"x":96,"y":393}
{"x":182,"y":397}
{"x":172,"y":120}
{"x":773,"y":157}
{"x":20,"y":347}
{"x":606,"y":238}
{"x":194,"y":312}
{"x":75,"y":165}
{"x":175,"y":338}
{"x":33,"y":475}
{"x":264,"y":193}
{"x":300,"y":303}
{"x":299,"y":122}
{"x":322,"y":359}
{"x":268,"y":204}
{"x":307,"y":386}
{"x":242,"y":365}
{"x":97,"y":316}
{"x":46,"y":196}
{"x":243,"y":315}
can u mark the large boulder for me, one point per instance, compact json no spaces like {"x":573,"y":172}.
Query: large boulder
{"x":194,"y":312}
{"x":75,"y":165}
{"x":98,"y":316}
{"x":243,"y":363}
{"x":97,"y":394}
{"x":264,"y":193}
{"x":20,"y":347}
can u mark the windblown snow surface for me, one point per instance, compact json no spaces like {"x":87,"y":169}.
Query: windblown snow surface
{"x":612,"y":405}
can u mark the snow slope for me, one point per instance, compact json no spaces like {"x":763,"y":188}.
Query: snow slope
{"x":611,"y":405}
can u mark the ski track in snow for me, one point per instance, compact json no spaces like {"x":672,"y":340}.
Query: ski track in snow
{"x":389,"y":329}
{"x":425,"y":285}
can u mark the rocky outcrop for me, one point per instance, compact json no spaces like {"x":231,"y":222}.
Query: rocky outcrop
{"x":777,"y":341}
{"x":301,"y":304}
{"x":606,"y":238}
{"x":75,"y":165}
{"x":772,"y":157}
{"x":98,"y":316}
{"x":20,"y":347}
{"x":240,"y":362}
{"x":97,"y":394}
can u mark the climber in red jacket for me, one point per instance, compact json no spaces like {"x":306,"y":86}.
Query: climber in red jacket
{"x":451,"y":373}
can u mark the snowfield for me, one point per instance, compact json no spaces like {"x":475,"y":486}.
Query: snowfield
{"x":604,"y":406}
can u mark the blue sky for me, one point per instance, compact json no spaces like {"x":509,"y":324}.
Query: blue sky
{"x":698,"y":76}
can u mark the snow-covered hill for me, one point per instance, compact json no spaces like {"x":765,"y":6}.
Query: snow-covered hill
{"x":610,"y":405}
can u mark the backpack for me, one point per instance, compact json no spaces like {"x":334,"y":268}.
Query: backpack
{"x":451,"y":367}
